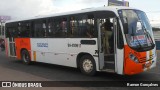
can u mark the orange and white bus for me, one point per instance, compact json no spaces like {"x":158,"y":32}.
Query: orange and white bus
{"x":2,"y":36}
{"x":107,"y":39}
{"x":1,"y":30}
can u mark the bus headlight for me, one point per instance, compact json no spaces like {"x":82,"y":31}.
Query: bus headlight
{"x":134,"y":58}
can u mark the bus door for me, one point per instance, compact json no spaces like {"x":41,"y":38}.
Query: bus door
{"x":106,"y":44}
{"x":10,"y":41}
{"x":110,"y":56}
{"x":107,"y":38}
{"x":11,"y":47}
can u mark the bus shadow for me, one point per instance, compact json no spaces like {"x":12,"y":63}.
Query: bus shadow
{"x":62,"y":73}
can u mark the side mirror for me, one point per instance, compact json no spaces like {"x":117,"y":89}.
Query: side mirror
{"x":125,"y":25}
{"x":125,"y":28}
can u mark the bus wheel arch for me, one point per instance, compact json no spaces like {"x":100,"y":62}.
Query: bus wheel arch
{"x":25,"y":56}
{"x":86,"y":63}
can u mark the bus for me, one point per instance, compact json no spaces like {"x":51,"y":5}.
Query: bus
{"x":1,"y":30}
{"x":2,"y":36}
{"x":112,"y":39}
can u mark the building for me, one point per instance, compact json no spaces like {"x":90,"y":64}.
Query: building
{"x":3,"y":19}
{"x":118,"y":3}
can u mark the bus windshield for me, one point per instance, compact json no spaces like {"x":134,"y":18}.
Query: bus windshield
{"x":139,"y":34}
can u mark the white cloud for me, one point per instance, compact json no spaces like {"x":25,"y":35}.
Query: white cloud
{"x":72,"y":5}
{"x":92,"y":1}
{"x":30,"y":8}
{"x":25,"y":8}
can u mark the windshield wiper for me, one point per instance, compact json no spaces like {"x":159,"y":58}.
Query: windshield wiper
{"x":148,"y":35}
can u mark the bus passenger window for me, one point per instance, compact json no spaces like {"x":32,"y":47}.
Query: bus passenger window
{"x":82,"y":26}
{"x":19,"y":30}
{"x":44,"y":29}
{"x":60,"y":28}
{"x":57,"y":29}
{"x":25,"y":29}
{"x":40,"y":29}
{"x":89,"y":30}
{"x":28,"y":27}
{"x":73,"y":27}
{"x":51,"y":28}
{"x":63,"y":27}
{"x":89,"y":26}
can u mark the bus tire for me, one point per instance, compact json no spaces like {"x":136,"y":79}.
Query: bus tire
{"x":87,"y":65}
{"x":25,"y":57}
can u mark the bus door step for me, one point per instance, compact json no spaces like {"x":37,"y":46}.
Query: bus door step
{"x":109,"y":57}
{"x":109,"y":65}
{"x":108,"y":70}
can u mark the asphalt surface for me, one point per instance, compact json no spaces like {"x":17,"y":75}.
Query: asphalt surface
{"x":14,"y":70}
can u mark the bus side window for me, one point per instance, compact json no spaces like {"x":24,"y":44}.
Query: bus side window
{"x":40,"y":29}
{"x":19,"y":29}
{"x":51,"y":28}
{"x":57,"y":28}
{"x":86,"y":26}
{"x":81,"y":26}
{"x":89,"y":24}
{"x":32,"y":29}
{"x":61,"y":27}
{"x":73,"y":27}
{"x":24,"y":29}
{"x":44,"y":28}
{"x":36,"y":27}
{"x":28,"y":28}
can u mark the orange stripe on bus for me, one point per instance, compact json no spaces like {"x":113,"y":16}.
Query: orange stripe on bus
{"x":131,"y":67}
{"x":22,"y":43}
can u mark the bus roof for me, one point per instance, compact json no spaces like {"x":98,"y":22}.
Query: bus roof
{"x":108,"y":8}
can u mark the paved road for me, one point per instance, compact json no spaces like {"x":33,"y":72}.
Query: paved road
{"x":14,"y":70}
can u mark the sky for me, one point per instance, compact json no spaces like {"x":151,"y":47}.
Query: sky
{"x":30,"y":8}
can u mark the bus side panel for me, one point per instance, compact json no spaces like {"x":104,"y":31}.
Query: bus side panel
{"x":61,"y":51}
{"x":58,"y":48}
{"x":22,"y":43}
{"x":51,"y":50}
{"x":39,"y":48}
{"x":76,"y":46}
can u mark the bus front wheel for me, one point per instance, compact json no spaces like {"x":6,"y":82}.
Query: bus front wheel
{"x":87,"y":65}
{"x":25,"y":57}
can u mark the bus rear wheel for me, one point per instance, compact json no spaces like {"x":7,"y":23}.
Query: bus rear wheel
{"x":25,"y":57}
{"x":87,"y":65}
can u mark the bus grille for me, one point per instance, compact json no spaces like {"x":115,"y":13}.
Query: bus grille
{"x":142,"y":60}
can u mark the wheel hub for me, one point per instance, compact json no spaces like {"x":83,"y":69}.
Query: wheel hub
{"x":87,"y":65}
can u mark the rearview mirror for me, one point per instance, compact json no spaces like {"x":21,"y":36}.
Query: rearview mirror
{"x":125,"y":25}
